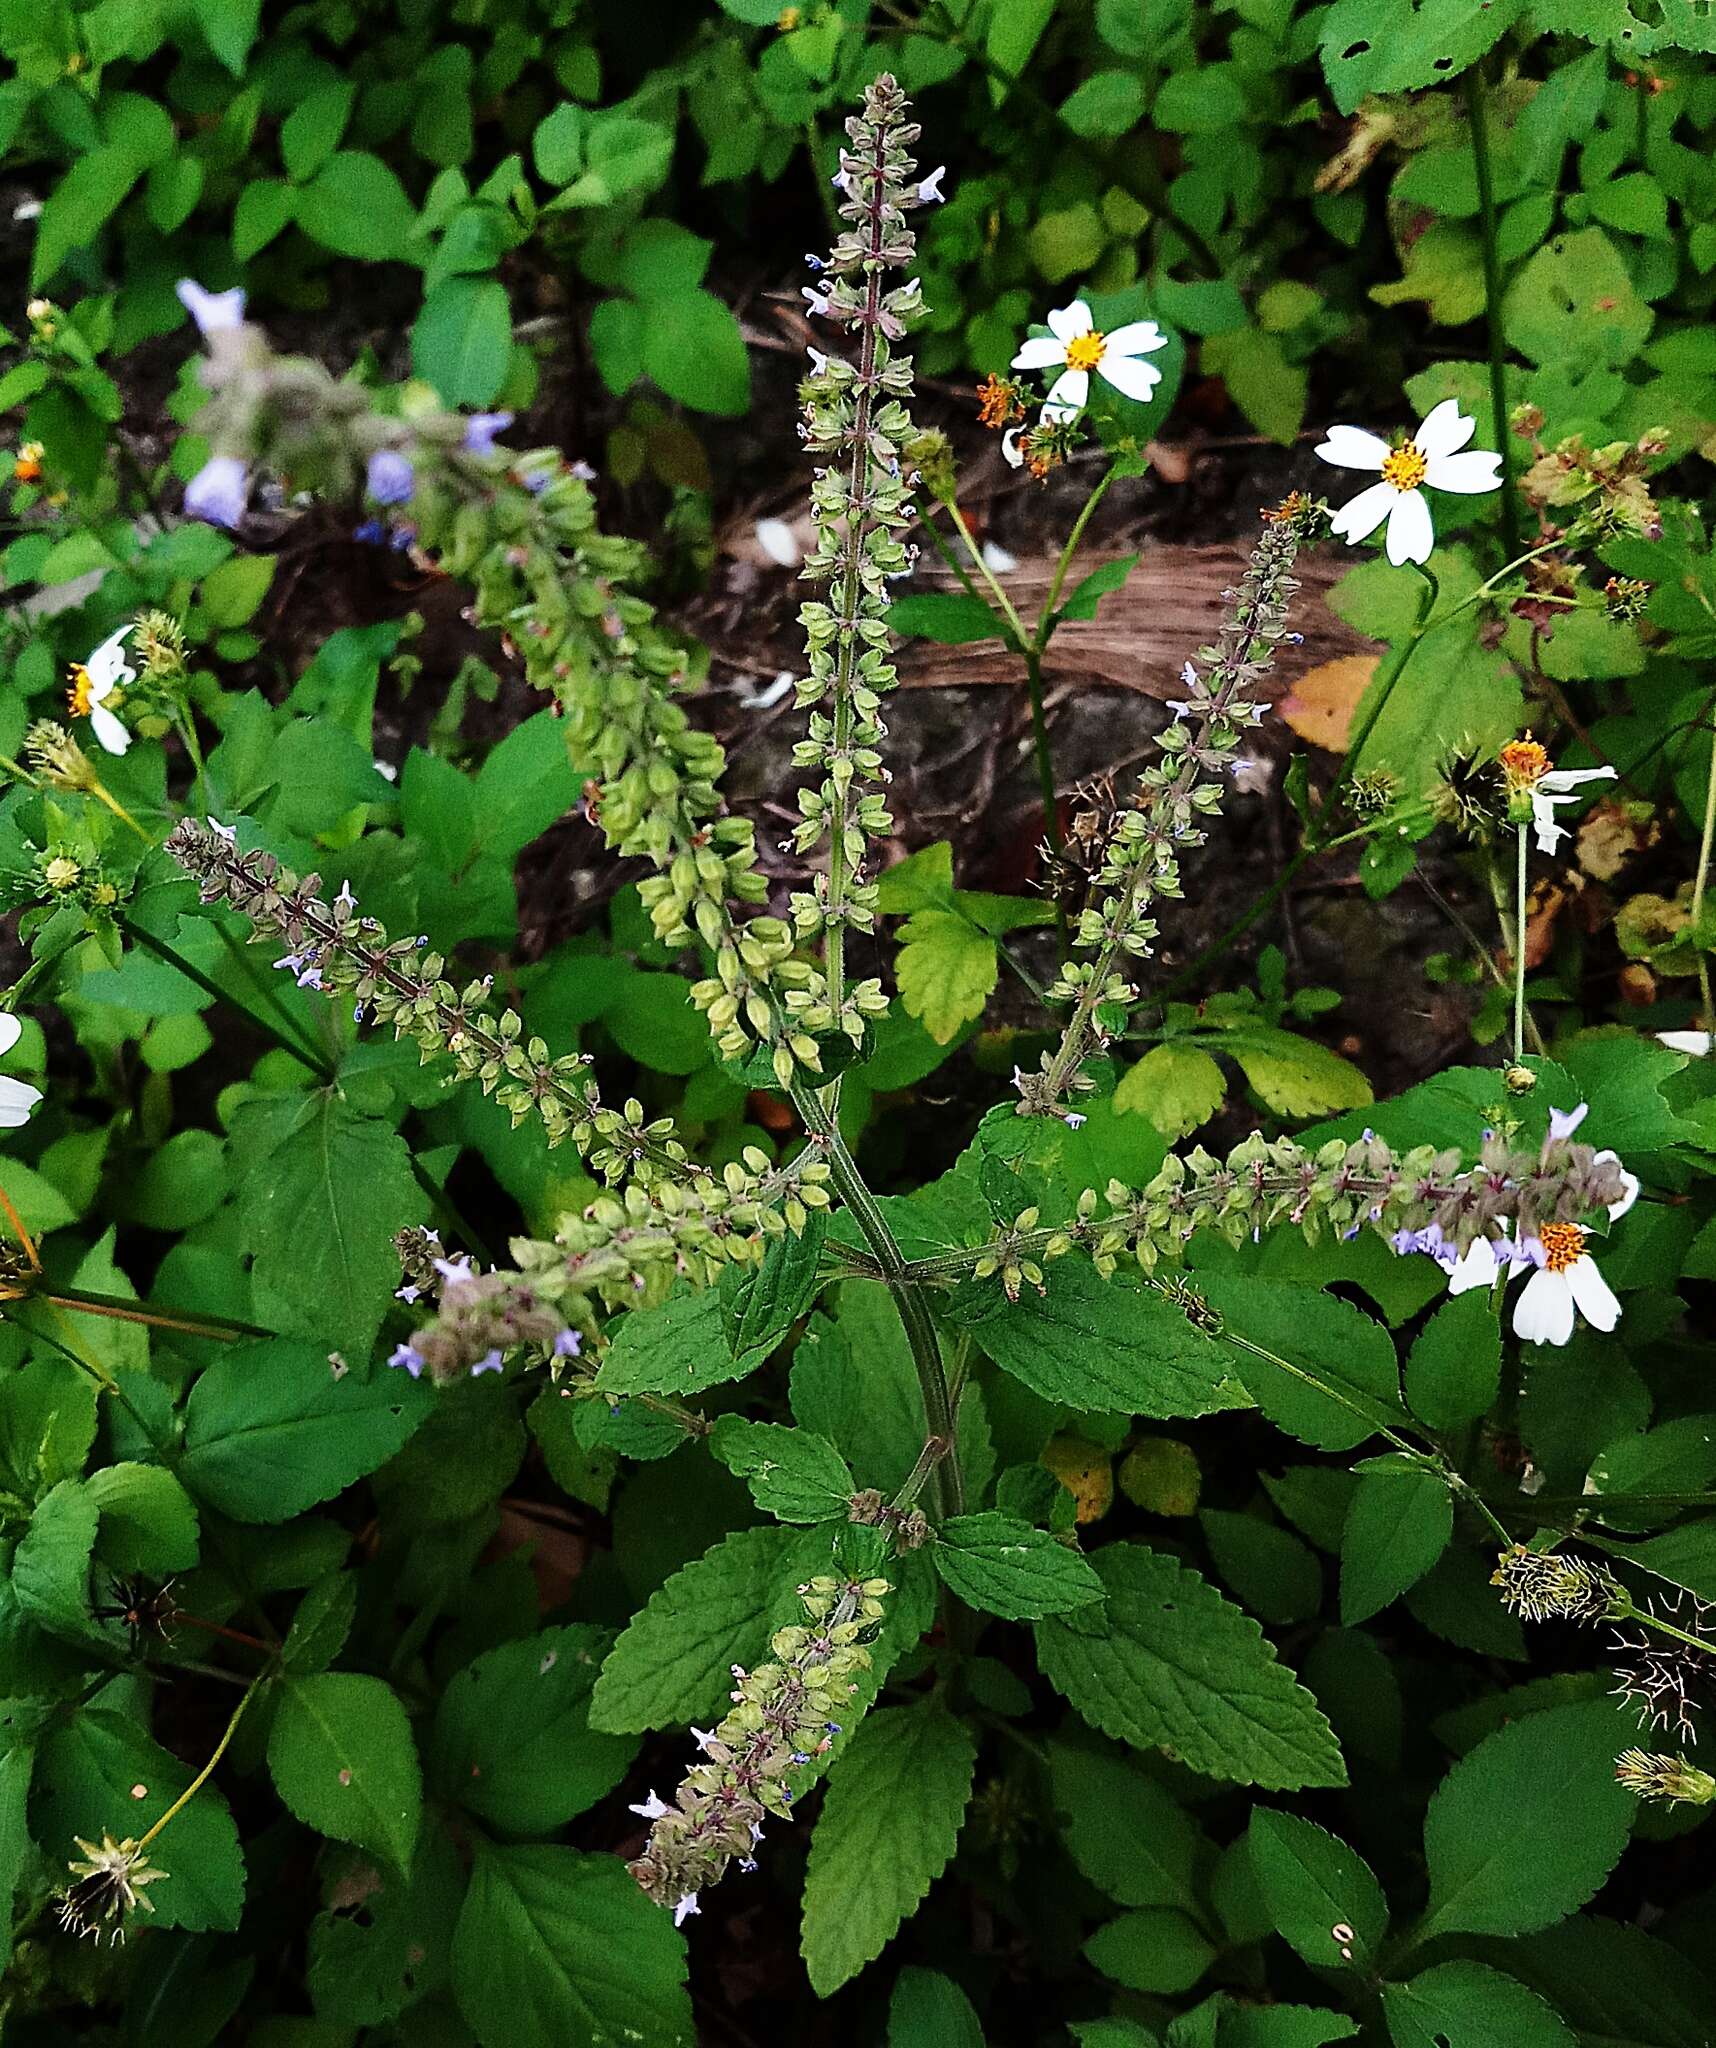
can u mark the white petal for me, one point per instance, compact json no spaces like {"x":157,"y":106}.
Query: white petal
{"x":1071,"y":389}
{"x":777,"y":541}
{"x":1467,"y":474}
{"x":17,"y":1099}
{"x":1071,"y":321}
{"x":1411,"y":536}
{"x":108,"y":729}
{"x":1549,"y":834}
{"x":1053,"y":415}
{"x":1010,"y":447}
{"x":211,"y":310}
{"x":107,"y":665}
{"x":11,"y":1030}
{"x":1361,"y":516}
{"x":1352,"y":448}
{"x":1475,"y":1267}
{"x":1136,"y":338}
{"x":1697,"y":1043}
{"x":1039,"y":352}
{"x":1130,"y":375}
{"x":1560,"y":780}
{"x":1445,"y":428}
{"x":1592,"y":1294}
{"x":1543,"y":1314}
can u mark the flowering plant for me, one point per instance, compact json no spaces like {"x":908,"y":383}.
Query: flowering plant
{"x":592,"y":1519}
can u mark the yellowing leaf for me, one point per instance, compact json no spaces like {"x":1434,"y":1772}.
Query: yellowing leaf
{"x":1297,"y":1076}
{"x":1320,"y":706}
{"x":1177,"y":1086}
{"x":946,"y":969}
{"x":1085,"y":1472}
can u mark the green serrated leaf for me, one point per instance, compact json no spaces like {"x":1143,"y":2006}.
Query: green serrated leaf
{"x":1104,"y":1345}
{"x":1001,"y":1565}
{"x":678,"y":1347}
{"x":887,"y":1828}
{"x":1399,"y":1524}
{"x":672,"y":1664}
{"x":270,"y":1429}
{"x":1181,"y":1669}
{"x":512,"y":1741}
{"x":1468,"y":2005}
{"x":793,"y":1474}
{"x":1454,"y":1368}
{"x":558,"y":1950}
{"x":1549,"y":1781}
{"x":344,"y":1761}
{"x":1176,"y":1085}
{"x":1322,"y":1896}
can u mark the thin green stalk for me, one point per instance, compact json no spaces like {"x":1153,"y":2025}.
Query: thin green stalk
{"x":908,"y":1295}
{"x":1519,"y":949}
{"x":287,"y":1042}
{"x":1477,"y":119}
{"x":220,"y":1749}
{"x":1700,"y":883}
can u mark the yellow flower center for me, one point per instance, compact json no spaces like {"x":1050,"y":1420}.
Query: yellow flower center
{"x":1524,"y":762}
{"x":81,"y":694}
{"x":1563,"y":1245}
{"x":1085,"y":351}
{"x":1405,"y":467}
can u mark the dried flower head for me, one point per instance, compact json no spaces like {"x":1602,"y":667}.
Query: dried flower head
{"x":110,"y":1881}
{"x":57,"y":758}
{"x":1666,"y":1681}
{"x":1671,"y":1778}
{"x":1549,"y":1586}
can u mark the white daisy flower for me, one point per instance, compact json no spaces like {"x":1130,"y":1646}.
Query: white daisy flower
{"x":17,"y":1098}
{"x":1432,"y":456}
{"x":1567,"y":1278}
{"x":1697,"y":1043}
{"x":1078,"y":346}
{"x":1560,"y":786}
{"x":94,"y":680}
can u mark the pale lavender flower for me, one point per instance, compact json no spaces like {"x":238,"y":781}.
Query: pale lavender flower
{"x":212,"y":311}
{"x":569,"y":1344}
{"x":390,"y":477}
{"x":219,"y":491}
{"x":651,"y":1806}
{"x":481,"y":429}
{"x":413,"y":1361}
{"x":489,"y":1363}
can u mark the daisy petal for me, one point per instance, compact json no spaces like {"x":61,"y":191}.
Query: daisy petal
{"x":1470,"y":474}
{"x":1411,"y":536}
{"x":17,"y":1099}
{"x":1543,"y":1314}
{"x":108,"y":729}
{"x":1352,"y":448}
{"x":1130,"y":375}
{"x":1697,"y":1043}
{"x":1592,"y":1295}
{"x":1070,"y":388}
{"x":1361,"y":516}
{"x":1039,"y":352}
{"x":12,"y":1029}
{"x":1445,"y":429}
{"x":1071,"y":321}
{"x":1136,"y":338}
{"x":1560,"y":780}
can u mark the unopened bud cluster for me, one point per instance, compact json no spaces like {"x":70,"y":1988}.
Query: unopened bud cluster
{"x":785,"y":1715}
{"x":1343,"y":1186}
{"x":1177,"y":797}
{"x":856,"y":418}
{"x":520,"y":527}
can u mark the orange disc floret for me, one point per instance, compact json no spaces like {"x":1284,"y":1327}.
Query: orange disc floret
{"x":1524,"y":762}
{"x":1563,"y":1245}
